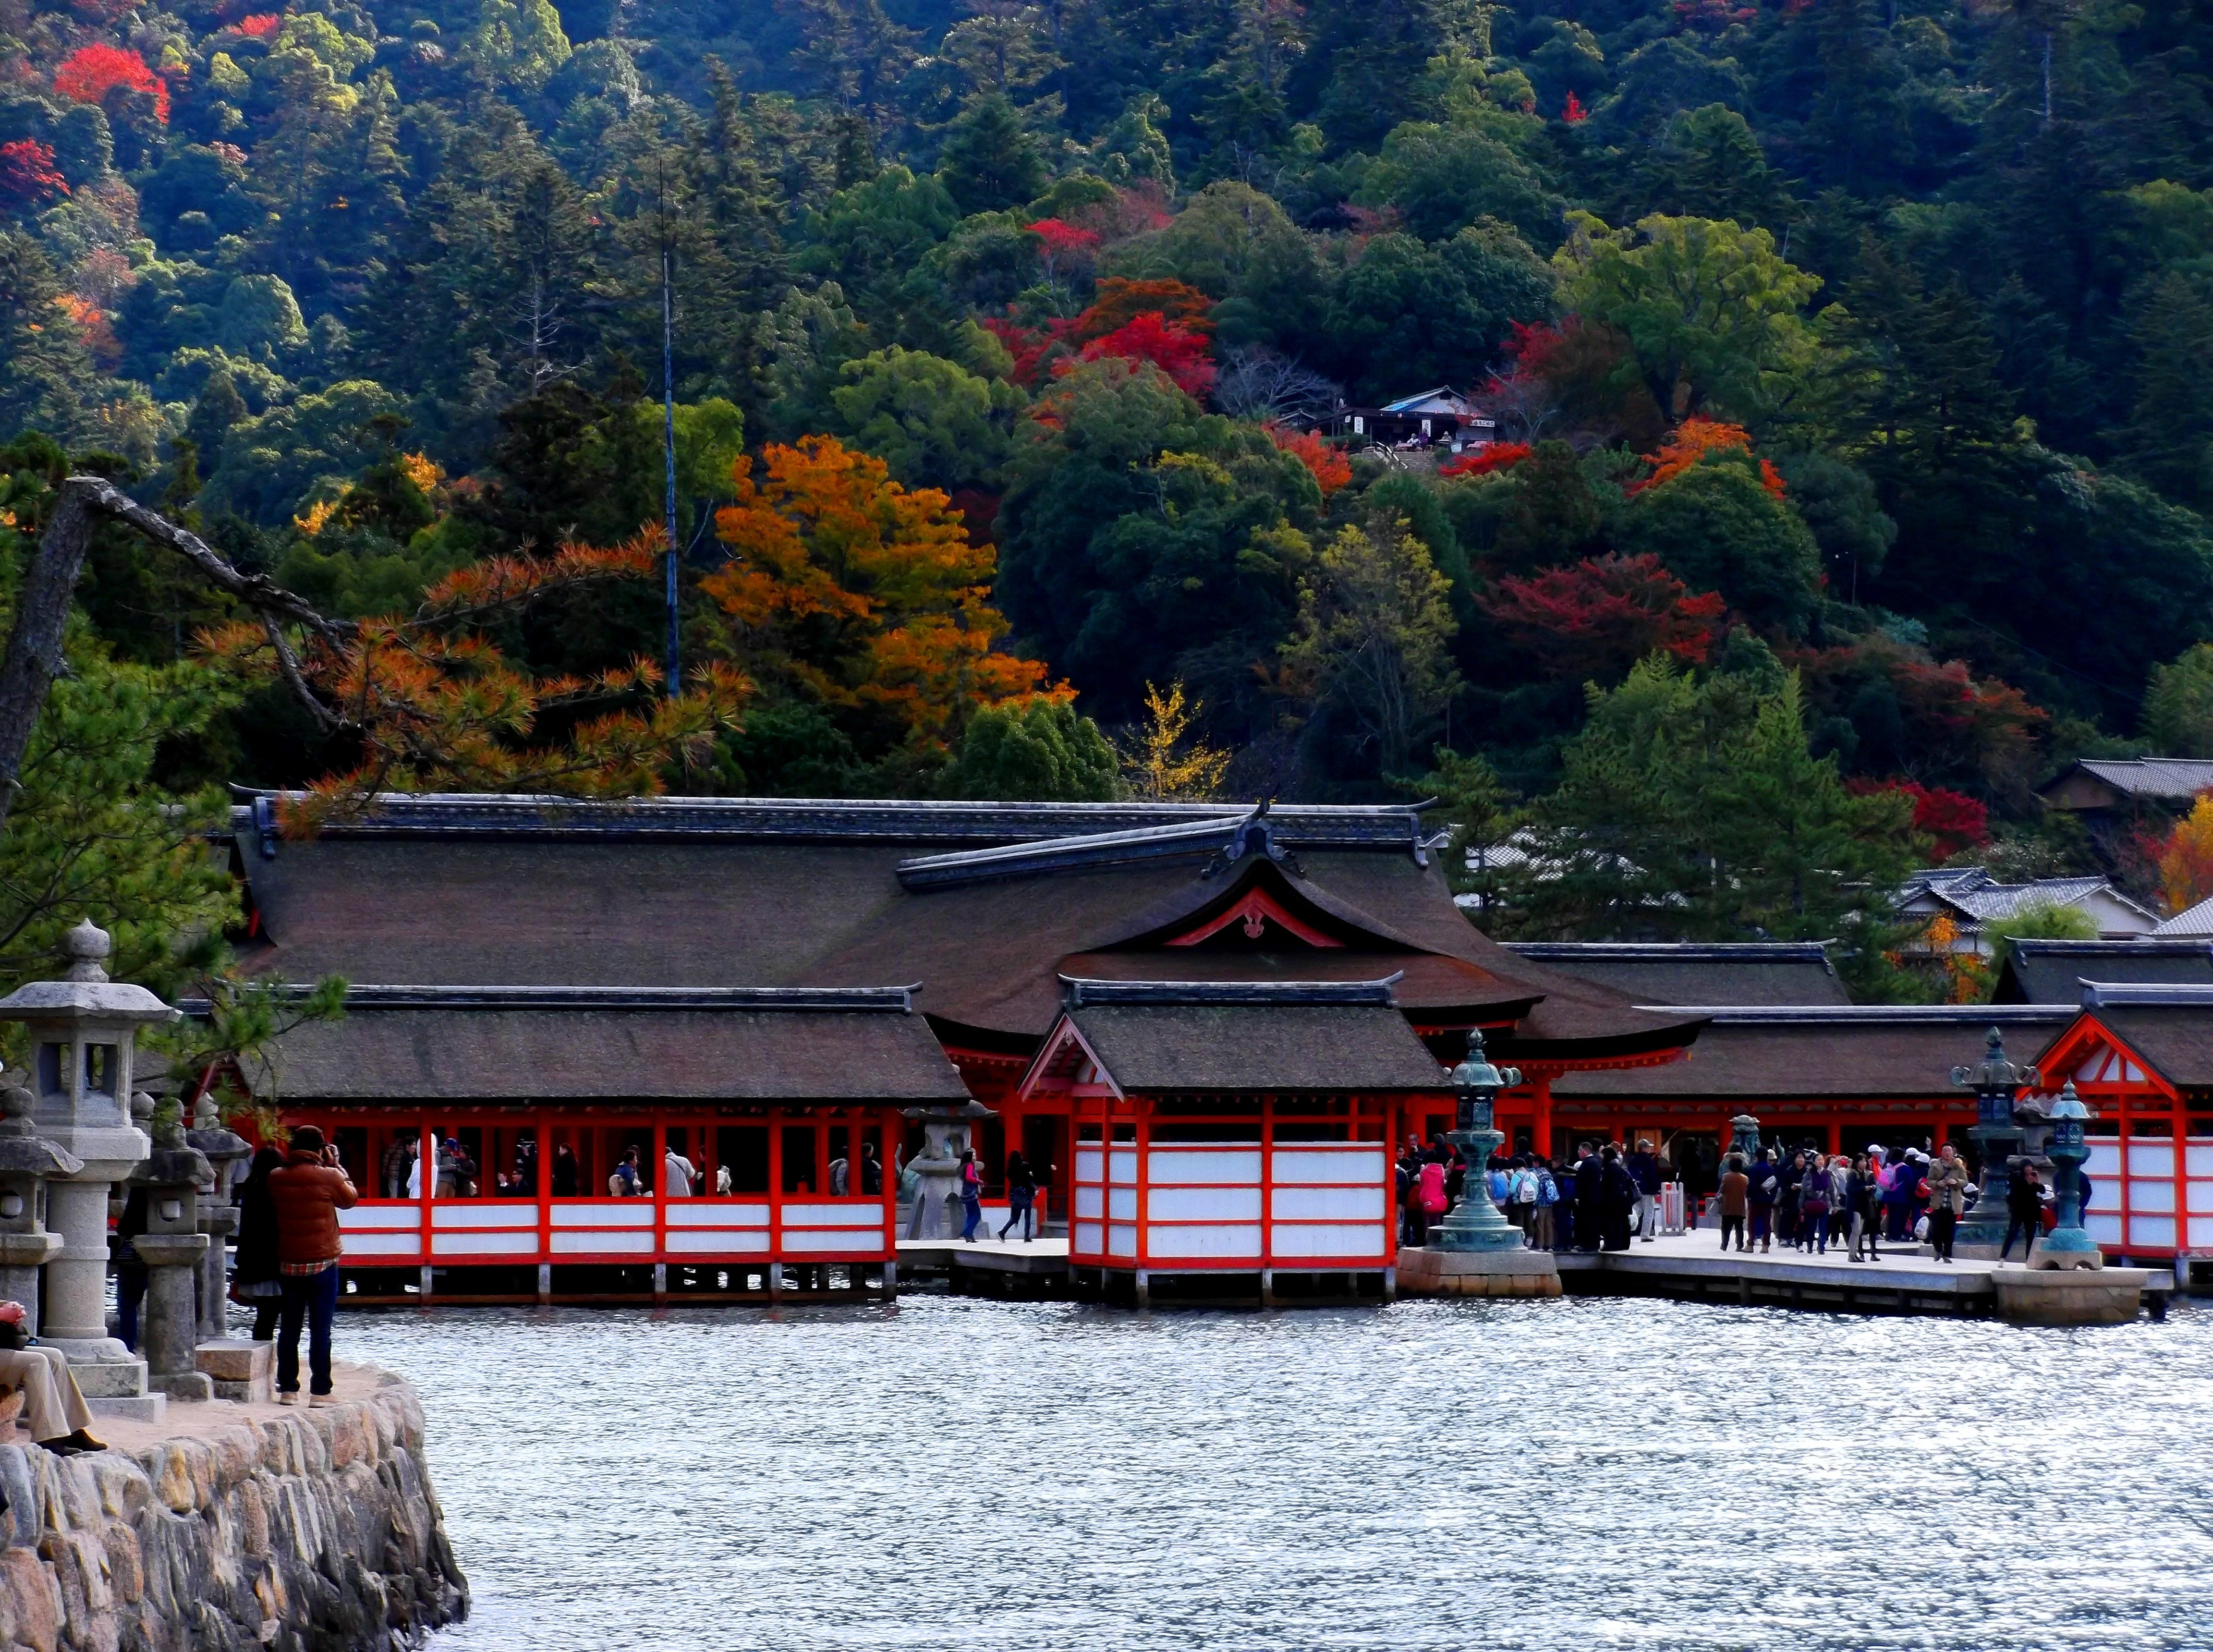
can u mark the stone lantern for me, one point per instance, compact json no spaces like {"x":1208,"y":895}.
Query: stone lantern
{"x":172,"y":1248}
{"x":26,"y":1162}
{"x":934,"y":1174}
{"x":224,"y":1150}
{"x":1995,"y":1081}
{"x":83,"y":1029}
{"x":2068,"y":1246}
{"x":1744,"y":1136}
{"x":1475,"y":1223}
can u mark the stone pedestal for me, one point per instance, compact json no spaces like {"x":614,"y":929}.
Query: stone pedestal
{"x":1423,"y":1272}
{"x":169,"y":1326}
{"x":226,"y":1151}
{"x":2096,"y":1295}
{"x":239,"y":1370}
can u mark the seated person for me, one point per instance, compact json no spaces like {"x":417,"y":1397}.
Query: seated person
{"x":54,"y":1408}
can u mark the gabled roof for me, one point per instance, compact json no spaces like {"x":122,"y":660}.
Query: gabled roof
{"x":1978,"y":896}
{"x":2170,"y":1029}
{"x":721,"y":893}
{"x":467,"y":1044}
{"x":2053,"y":971}
{"x":1686,"y":972}
{"x":1250,"y":1046}
{"x":2164,"y":779}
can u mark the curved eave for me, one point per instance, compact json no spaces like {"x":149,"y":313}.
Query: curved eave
{"x":1567,"y":1053}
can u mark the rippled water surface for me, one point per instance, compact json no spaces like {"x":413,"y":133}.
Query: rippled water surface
{"x":1573,"y":1474}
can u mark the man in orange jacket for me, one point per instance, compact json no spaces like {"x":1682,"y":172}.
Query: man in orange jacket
{"x":308,"y":1190}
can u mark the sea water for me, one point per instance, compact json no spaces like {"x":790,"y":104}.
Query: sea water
{"x":1584,"y":1473}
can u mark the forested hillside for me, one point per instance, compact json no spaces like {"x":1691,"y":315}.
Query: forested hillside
{"x":1849,"y":362}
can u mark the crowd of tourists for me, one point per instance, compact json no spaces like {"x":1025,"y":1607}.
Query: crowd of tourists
{"x":1602,"y":1199}
{"x":1609,"y":1196}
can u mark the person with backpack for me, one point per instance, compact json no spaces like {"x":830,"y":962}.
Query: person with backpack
{"x":1760,"y":1200}
{"x":1522,"y":1196}
{"x":1547,"y":1198}
{"x":1022,"y":1196}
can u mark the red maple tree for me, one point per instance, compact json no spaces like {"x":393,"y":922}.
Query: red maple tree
{"x":88,"y":74}
{"x":1331,"y":468}
{"x":1482,"y":461}
{"x":1174,"y":347}
{"x":28,"y":177}
{"x":1601,"y":615}
{"x":261,"y":26}
{"x":1574,"y":113}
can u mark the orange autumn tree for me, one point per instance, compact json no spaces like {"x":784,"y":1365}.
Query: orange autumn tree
{"x":428,"y":702}
{"x":2186,"y":859}
{"x":1691,"y":440}
{"x":864,"y":595}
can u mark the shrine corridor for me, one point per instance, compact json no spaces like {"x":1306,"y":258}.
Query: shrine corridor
{"x":951,"y":1473}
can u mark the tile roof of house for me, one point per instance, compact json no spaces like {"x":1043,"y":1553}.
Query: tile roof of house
{"x":2191,"y":921}
{"x":2172,"y":779}
{"x":1975,"y":893}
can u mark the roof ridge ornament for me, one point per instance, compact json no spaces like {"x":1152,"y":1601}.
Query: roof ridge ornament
{"x":1256,"y":835}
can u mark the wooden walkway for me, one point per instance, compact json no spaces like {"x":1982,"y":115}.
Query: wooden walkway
{"x":1693,"y":1267}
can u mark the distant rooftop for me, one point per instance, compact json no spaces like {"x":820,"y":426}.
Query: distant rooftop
{"x":1975,"y":895}
{"x":2097,"y":782}
{"x":1701,"y":972}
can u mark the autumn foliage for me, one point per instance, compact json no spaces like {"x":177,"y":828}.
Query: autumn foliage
{"x":1483,"y":461}
{"x":1690,"y":441}
{"x":1331,"y":468}
{"x":28,"y":177}
{"x":1954,"y":822}
{"x":862,"y":594}
{"x":1573,"y":112}
{"x":1597,"y":617}
{"x":1163,"y":322}
{"x":434,"y":704}
{"x":2186,"y":859}
{"x":261,"y":26}
{"x":91,"y":72}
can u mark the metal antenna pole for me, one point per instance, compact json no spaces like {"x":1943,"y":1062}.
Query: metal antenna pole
{"x":668,"y":442}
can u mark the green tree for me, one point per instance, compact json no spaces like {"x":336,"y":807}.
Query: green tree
{"x":1710,"y":310}
{"x":990,"y":162}
{"x":1717,"y":527}
{"x":2178,"y":705}
{"x":1372,"y":639}
{"x":1444,"y":177}
{"x":1690,"y":806}
{"x":1041,"y":753}
{"x":933,"y":422}
{"x":2169,"y":436}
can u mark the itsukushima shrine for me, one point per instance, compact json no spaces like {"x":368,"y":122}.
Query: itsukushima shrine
{"x":1205,"y":1025}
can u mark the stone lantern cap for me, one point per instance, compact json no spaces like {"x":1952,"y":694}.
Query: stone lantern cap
{"x":173,"y":1163}
{"x":21,"y":1152}
{"x":84,"y":992}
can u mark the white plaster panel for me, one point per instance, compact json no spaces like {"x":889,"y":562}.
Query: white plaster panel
{"x":2151,"y":1158}
{"x":1215,"y":1239}
{"x":1202,"y":1204}
{"x":1122,"y":1165}
{"x":479,"y":1213}
{"x":2157,"y":1232}
{"x":730,"y":1241}
{"x":625,"y":1213}
{"x":1122,"y":1203}
{"x":2198,"y":1158}
{"x":377,"y":1243}
{"x":2105,"y":1160}
{"x":2201,"y":1233}
{"x":2199,"y":1201}
{"x":1181,"y":1167}
{"x":1090,"y":1202}
{"x":507,"y":1244}
{"x":1087,"y":1239}
{"x":1361,"y":1240}
{"x":2105,"y":1230}
{"x":365,"y":1217}
{"x":1090,"y":1164}
{"x":831,"y":1239}
{"x":1327,"y":1203}
{"x":704,"y":1214}
{"x":868,"y":1214}
{"x":600,"y":1243}
{"x":2157,"y":1196}
{"x":1121,"y":1241}
{"x":1362,"y":1166}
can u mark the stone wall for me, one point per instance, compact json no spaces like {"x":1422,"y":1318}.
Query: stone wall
{"x":245,"y":1526}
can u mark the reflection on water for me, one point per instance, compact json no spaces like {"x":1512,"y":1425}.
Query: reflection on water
{"x":1576,"y":1475}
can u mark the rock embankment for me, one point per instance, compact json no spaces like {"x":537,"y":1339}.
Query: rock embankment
{"x":234,"y":1527}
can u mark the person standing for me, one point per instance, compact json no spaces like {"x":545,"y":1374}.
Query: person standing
{"x":676,"y":1173}
{"x":308,"y":1190}
{"x":971,"y":1195}
{"x":2024,"y":1211}
{"x":567,"y":1181}
{"x":872,"y":1173}
{"x":1430,"y":1199}
{"x":1617,"y":1200}
{"x":1548,"y":1199}
{"x":1814,"y":1207}
{"x":1760,"y":1202}
{"x":1863,"y":1206}
{"x":1736,"y":1186}
{"x":1021,"y":1194}
{"x":1406,"y":1180}
{"x":256,"y":1277}
{"x":1644,"y":1174}
{"x":1948,"y":1197}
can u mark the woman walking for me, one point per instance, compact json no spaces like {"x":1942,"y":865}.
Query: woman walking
{"x":255,"y":1277}
{"x":1021,"y":1194}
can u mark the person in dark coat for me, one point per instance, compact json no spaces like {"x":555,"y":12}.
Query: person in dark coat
{"x":1590,"y":1217}
{"x":566,"y":1181}
{"x":1617,"y":1200}
{"x":255,"y":1276}
{"x":2024,"y":1211}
